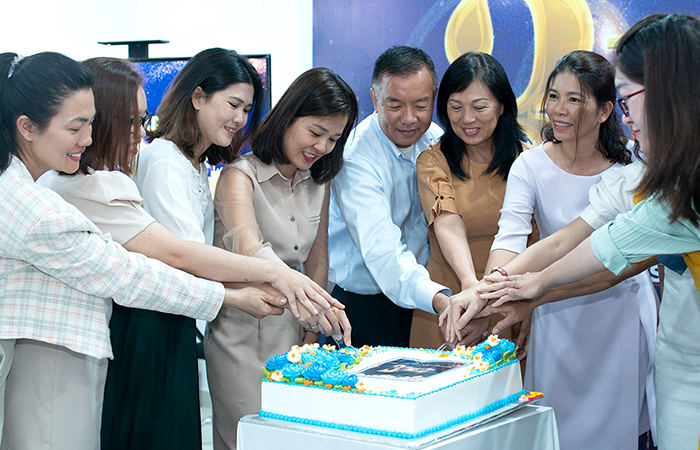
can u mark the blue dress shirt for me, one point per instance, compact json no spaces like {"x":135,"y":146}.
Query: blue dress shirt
{"x":378,"y":235}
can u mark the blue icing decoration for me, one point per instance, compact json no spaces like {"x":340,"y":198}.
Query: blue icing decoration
{"x":334,"y":377}
{"x":314,"y":373}
{"x":277,"y":362}
{"x":345,"y":358}
{"x":495,"y":354}
{"x":292,"y":371}
{"x":350,"y":380}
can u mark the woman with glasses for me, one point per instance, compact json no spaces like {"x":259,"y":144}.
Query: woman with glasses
{"x":575,"y":345}
{"x":139,"y":398}
{"x":661,"y":110}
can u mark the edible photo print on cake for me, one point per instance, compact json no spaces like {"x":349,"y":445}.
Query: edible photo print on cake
{"x":409,"y":369}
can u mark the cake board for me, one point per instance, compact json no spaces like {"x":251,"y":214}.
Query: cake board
{"x":520,"y":423}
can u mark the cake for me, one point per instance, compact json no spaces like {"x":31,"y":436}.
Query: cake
{"x":399,"y":392}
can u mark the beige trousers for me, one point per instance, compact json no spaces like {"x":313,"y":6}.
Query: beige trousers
{"x":236,"y":348}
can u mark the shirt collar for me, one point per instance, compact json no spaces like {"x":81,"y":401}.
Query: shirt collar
{"x":392,"y":147}
{"x":265,"y":172}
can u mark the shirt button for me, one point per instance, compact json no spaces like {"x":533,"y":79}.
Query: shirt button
{"x":292,"y":219}
{"x":436,"y":197}
{"x":296,"y":247}
{"x":442,"y":198}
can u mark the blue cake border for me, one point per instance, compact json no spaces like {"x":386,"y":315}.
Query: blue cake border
{"x":485,"y":410}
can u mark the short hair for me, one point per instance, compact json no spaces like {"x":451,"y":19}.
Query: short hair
{"x":401,"y":60}
{"x":596,"y":77}
{"x":116,"y":103}
{"x":316,"y":92}
{"x":36,"y":87}
{"x":508,"y":134}
{"x":662,"y":52}
{"x":213,"y":70}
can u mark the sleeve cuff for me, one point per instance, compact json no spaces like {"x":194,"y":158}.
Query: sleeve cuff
{"x":425,"y":293}
{"x":442,"y":203}
{"x":605,"y":250}
{"x":267,"y":253}
{"x":592,"y":218}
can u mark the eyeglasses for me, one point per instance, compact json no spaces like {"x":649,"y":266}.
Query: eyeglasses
{"x":145,"y":121}
{"x":622,"y":101}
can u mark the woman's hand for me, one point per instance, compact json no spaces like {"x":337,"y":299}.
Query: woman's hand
{"x":511,"y":288}
{"x":474,"y":332}
{"x":331,"y":322}
{"x":512,"y":312}
{"x":299,"y":289}
{"x":463,"y":307}
{"x":256,"y":301}
{"x":523,"y":341}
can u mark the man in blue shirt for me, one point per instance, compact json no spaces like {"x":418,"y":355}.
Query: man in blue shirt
{"x":378,"y":235}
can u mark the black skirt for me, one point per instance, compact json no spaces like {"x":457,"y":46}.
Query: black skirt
{"x":151,"y":393}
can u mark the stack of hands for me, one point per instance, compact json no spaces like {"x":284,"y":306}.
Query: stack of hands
{"x":313,"y":307}
{"x":465,"y":320}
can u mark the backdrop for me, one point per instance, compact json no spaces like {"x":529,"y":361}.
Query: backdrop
{"x":526,"y":36}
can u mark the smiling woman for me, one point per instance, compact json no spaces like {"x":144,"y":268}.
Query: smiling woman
{"x":462,"y":179}
{"x":66,"y":136}
{"x":583,"y":139}
{"x":273,"y":204}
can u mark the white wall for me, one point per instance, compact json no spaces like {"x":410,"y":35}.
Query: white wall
{"x":74,"y":27}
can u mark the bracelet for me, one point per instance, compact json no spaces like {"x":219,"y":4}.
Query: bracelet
{"x":500,"y":270}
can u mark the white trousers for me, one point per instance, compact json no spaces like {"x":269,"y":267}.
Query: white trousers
{"x":53,"y":398}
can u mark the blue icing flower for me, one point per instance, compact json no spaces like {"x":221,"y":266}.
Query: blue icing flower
{"x":345,"y":358}
{"x":292,"y":371}
{"x":334,"y":377}
{"x":506,"y":346}
{"x":350,"y":380}
{"x":310,"y":357}
{"x":495,"y":354}
{"x":277,"y":362}
{"x":329,"y":359}
{"x":314,"y":373}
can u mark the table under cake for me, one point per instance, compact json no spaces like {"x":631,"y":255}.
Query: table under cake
{"x":530,"y":427}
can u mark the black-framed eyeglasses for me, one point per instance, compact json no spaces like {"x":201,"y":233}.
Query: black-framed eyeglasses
{"x":145,"y":121}
{"x":622,"y":101}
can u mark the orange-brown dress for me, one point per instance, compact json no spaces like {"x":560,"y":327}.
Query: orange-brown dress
{"x":478,"y":201}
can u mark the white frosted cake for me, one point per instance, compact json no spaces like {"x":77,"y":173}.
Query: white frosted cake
{"x":392,"y":391}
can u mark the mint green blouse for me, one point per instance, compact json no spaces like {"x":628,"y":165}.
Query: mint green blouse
{"x":641,"y":234}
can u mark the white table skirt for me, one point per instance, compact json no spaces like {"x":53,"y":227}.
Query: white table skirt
{"x":531,"y":427}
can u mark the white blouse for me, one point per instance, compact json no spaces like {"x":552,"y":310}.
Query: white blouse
{"x":175,"y":193}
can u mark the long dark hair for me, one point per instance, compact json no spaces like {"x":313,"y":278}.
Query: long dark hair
{"x":662,"y":52}
{"x":316,"y":92}
{"x":36,"y":87}
{"x":116,"y":103}
{"x":596,"y":76}
{"x":213,"y":70}
{"x":508,"y":134}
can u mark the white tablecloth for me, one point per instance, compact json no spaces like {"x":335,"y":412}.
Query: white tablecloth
{"x":531,"y":427}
